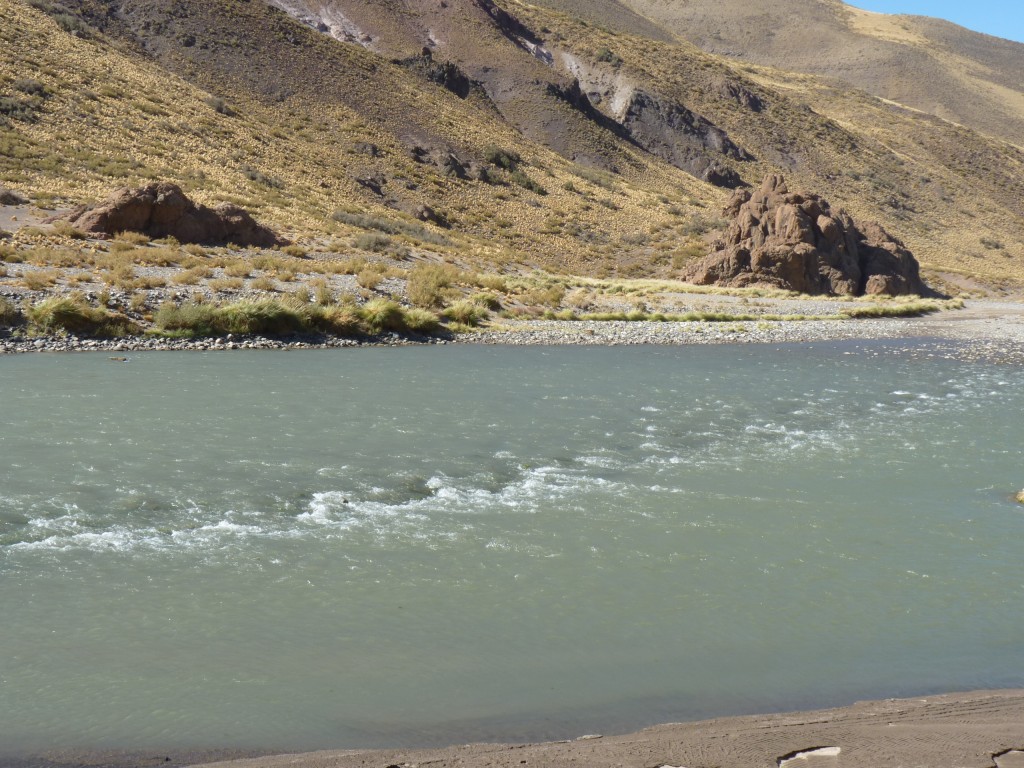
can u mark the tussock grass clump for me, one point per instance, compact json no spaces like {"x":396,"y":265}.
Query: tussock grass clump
{"x":466,"y":312}
{"x":340,"y":320}
{"x":189,"y":319}
{"x":382,"y":315}
{"x":901,"y":309}
{"x":488,"y":301}
{"x":39,"y":280}
{"x":372,"y":242}
{"x":490,"y":282}
{"x":224,"y":284}
{"x":71,"y":314}
{"x":66,"y":229}
{"x":420,"y":320}
{"x":369,"y":279}
{"x":272,"y":318}
{"x":323,"y":296}
{"x":544,"y":295}
{"x":238,"y":269}
{"x":10,"y":315}
{"x":131,"y":238}
{"x":264,"y":283}
{"x":429,"y":285}
{"x":192,"y":276}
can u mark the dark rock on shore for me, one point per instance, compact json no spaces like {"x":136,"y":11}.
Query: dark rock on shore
{"x":798,"y":242}
{"x":162,"y":209}
{"x":7,"y":197}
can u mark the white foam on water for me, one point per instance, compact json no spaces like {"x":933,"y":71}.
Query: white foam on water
{"x":602,"y":462}
{"x":188,"y":527}
{"x":529,"y":494}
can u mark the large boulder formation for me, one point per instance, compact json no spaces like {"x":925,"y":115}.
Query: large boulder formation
{"x":797,"y":242}
{"x":161,"y":209}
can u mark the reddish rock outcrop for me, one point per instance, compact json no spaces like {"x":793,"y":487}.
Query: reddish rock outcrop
{"x":797,"y":242}
{"x":161,"y":209}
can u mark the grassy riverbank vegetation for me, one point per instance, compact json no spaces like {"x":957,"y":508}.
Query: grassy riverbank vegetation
{"x":133,"y":286}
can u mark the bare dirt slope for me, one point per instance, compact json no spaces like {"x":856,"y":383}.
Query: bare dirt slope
{"x":976,"y":730}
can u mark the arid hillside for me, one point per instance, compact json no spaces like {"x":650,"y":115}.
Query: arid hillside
{"x":492,"y":133}
{"x":927,"y":64}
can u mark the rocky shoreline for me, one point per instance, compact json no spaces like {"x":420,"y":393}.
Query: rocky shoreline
{"x":984,"y":331}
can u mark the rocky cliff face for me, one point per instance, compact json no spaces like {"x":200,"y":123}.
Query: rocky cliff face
{"x":797,"y":242}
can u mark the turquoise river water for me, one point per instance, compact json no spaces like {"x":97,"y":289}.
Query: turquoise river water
{"x":298,"y":550}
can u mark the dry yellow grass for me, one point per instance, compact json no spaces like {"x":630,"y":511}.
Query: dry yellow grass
{"x":98,"y":131}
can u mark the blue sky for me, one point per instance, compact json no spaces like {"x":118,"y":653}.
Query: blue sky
{"x":1003,"y":18}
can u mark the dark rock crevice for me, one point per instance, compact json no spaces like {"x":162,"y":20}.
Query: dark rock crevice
{"x":683,"y":138}
{"x":444,"y":74}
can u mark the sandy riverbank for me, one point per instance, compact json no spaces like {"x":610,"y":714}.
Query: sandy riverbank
{"x":974,"y":730}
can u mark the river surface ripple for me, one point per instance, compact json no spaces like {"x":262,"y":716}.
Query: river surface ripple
{"x":296,"y":550}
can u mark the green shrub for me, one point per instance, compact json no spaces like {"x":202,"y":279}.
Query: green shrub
{"x":605,"y":55}
{"x":30,"y":87}
{"x":66,"y":229}
{"x":382,"y":315}
{"x":491,"y":282}
{"x":190,"y":319}
{"x":130,"y":238}
{"x":550,"y":296}
{"x":902,"y":309}
{"x":339,"y":320}
{"x":372,"y":242}
{"x":267,"y":317}
{"x":428,"y":284}
{"x":256,"y":175}
{"x":220,"y":106}
{"x":412,"y":229}
{"x":420,"y":320}
{"x":524,"y":181}
{"x":369,"y":278}
{"x":10,"y":315}
{"x":502,"y":158}
{"x":39,"y":280}
{"x":466,"y":312}
{"x":71,"y":314}
{"x":271,"y":318}
{"x":488,"y":301}
{"x":19,"y":109}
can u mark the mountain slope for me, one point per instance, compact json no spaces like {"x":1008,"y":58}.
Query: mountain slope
{"x":498,"y":131}
{"x":935,"y":66}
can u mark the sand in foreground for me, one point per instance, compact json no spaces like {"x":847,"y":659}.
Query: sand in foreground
{"x":983,"y":729}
